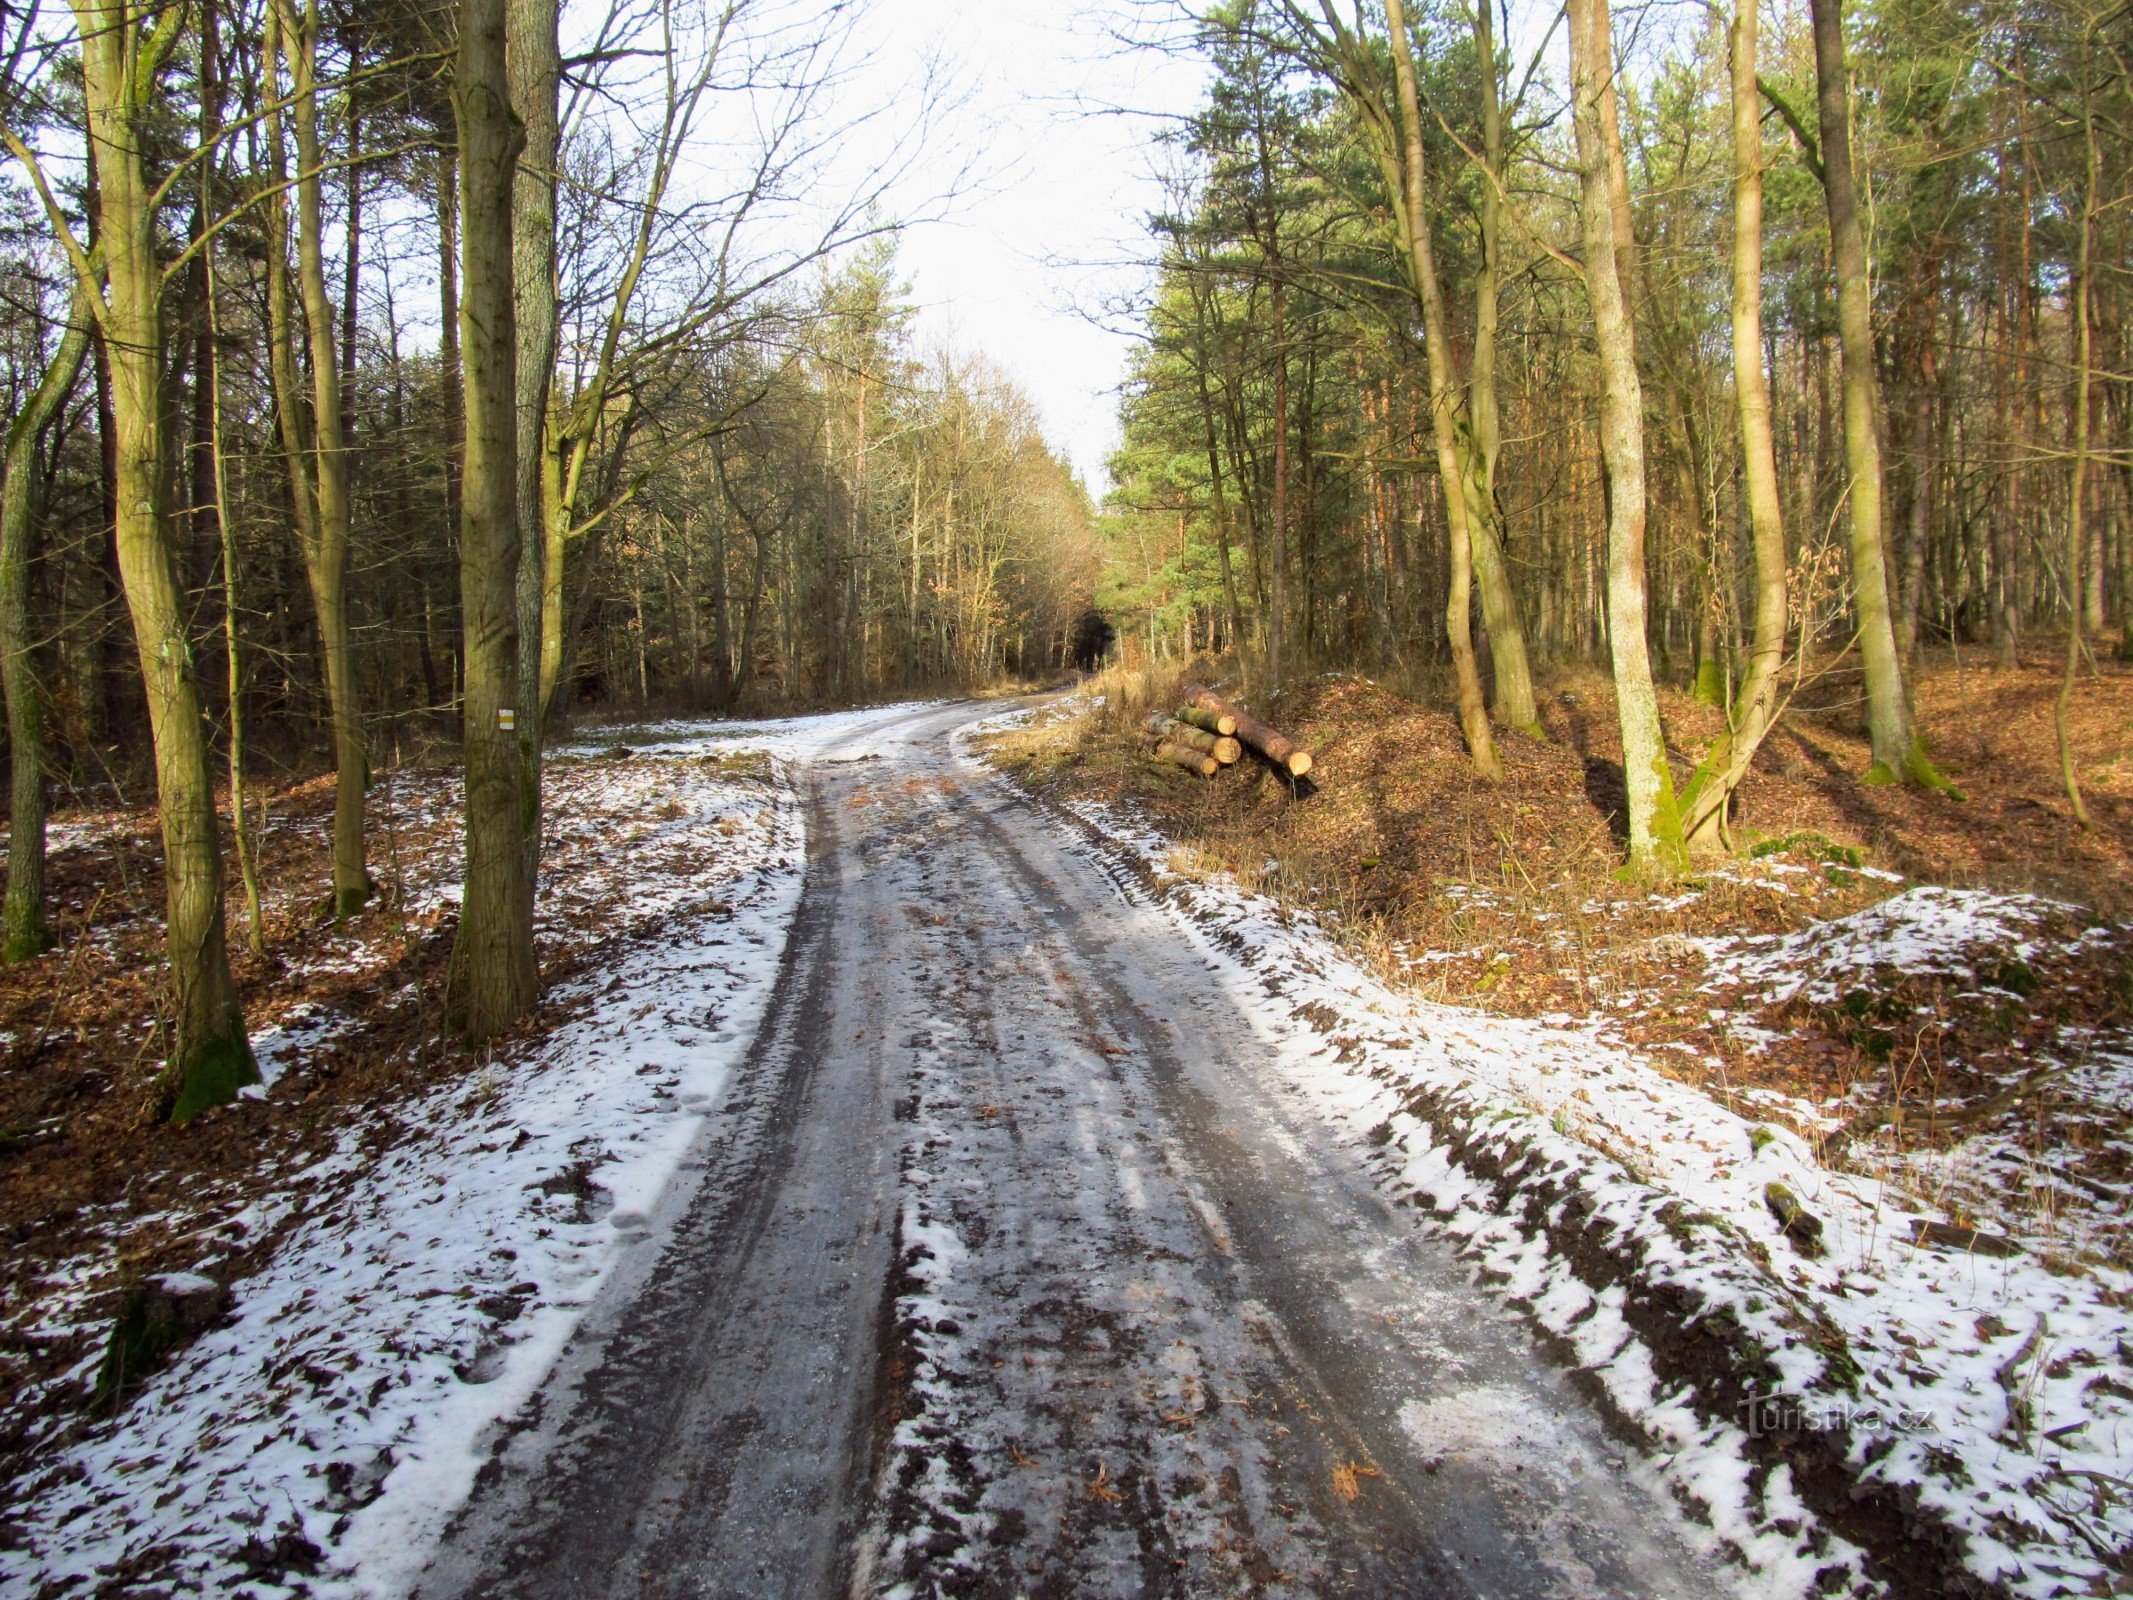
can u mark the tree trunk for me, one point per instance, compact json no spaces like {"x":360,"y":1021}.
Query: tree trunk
{"x":450,"y":377}
{"x":326,"y":548}
{"x":1408,"y":178}
{"x":1898,"y":757}
{"x":1719,"y":774}
{"x":1920,"y":473}
{"x":1217,"y":503}
{"x":1499,"y":606}
{"x":351,"y":267}
{"x":23,"y":932}
{"x":2077,"y":488}
{"x":1277,"y":620}
{"x":534,"y":67}
{"x":240,"y":827}
{"x":208,"y":379}
{"x":1655,"y":839}
{"x":493,"y":977}
{"x":211,"y":1059}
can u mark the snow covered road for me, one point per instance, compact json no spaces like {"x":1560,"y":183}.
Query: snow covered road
{"x":1013,"y":1267}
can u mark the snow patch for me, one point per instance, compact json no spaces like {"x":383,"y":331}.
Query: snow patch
{"x":318,"y":1441}
{"x":1997,"y":1393}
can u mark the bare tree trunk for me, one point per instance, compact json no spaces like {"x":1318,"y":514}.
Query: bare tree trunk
{"x":1898,"y":755}
{"x":23,"y":931}
{"x":1412,"y":186}
{"x":122,"y":61}
{"x":2077,"y":489}
{"x":208,"y":378}
{"x":451,"y":379}
{"x":1216,"y":499}
{"x":1918,"y":509}
{"x":1277,"y":622}
{"x":233,"y":660}
{"x":1655,"y":839}
{"x":1499,"y":606}
{"x":351,"y":268}
{"x":534,"y":66}
{"x":494,"y":980}
{"x":1719,"y":774}
{"x":326,"y":550}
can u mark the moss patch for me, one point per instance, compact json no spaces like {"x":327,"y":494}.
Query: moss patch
{"x":213,"y":1073}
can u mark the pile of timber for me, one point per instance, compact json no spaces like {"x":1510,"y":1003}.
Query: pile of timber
{"x":1207,"y":733}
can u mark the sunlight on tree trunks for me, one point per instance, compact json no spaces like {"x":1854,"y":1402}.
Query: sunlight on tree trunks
{"x":1655,"y":840}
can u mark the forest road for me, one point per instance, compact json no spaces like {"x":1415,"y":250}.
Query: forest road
{"x":1010,"y":1267}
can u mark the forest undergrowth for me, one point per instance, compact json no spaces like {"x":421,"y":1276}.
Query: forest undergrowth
{"x":1934,"y":991}
{"x":98,"y":1191}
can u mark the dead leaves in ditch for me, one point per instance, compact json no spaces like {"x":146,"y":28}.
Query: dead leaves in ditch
{"x":1347,"y":1478}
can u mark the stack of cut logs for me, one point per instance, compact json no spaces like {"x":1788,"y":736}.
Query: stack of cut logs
{"x":1207,"y":733}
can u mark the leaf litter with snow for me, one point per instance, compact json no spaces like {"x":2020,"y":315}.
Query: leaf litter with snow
{"x":319,"y":1439}
{"x":1994,"y":1065}
{"x":1975,"y":1413}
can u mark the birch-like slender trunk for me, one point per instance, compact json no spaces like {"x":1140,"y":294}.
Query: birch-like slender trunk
{"x":1898,"y":757}
{"x":1410,"y":180}
{"x":233,"y":657}
{"x":2078,"y":487}
{"x":1725,"y":764}
{"x":1515,"y":703}
{"x":209,"y":378}
{"x":23,"y":931}
{"x":326,"y":467}
{"x":1655,"y":839}
{"x":493,"y":979}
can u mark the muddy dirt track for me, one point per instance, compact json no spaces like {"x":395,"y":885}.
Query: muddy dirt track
{"x":1007,"y":1268}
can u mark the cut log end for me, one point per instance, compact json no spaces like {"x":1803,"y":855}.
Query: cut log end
{"x":1204,"y":708}
{"x":1220,"y":723}
{"x":1184,"y":756}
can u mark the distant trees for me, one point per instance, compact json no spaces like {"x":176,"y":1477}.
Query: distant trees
{"x":1889,"y":451}
{"x":425,"y":392}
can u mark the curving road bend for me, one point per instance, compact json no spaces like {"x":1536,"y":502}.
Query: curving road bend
{"x":1010,"y":1270}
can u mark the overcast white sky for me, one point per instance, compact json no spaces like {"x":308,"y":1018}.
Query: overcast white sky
{"x":1061,"y":118}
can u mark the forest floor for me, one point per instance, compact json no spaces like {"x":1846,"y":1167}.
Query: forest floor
{"x":1189,"y":1181}
{"x":1914,"y":1012}
{"x":1917,"y":985}
{"x":388,"y":1201}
